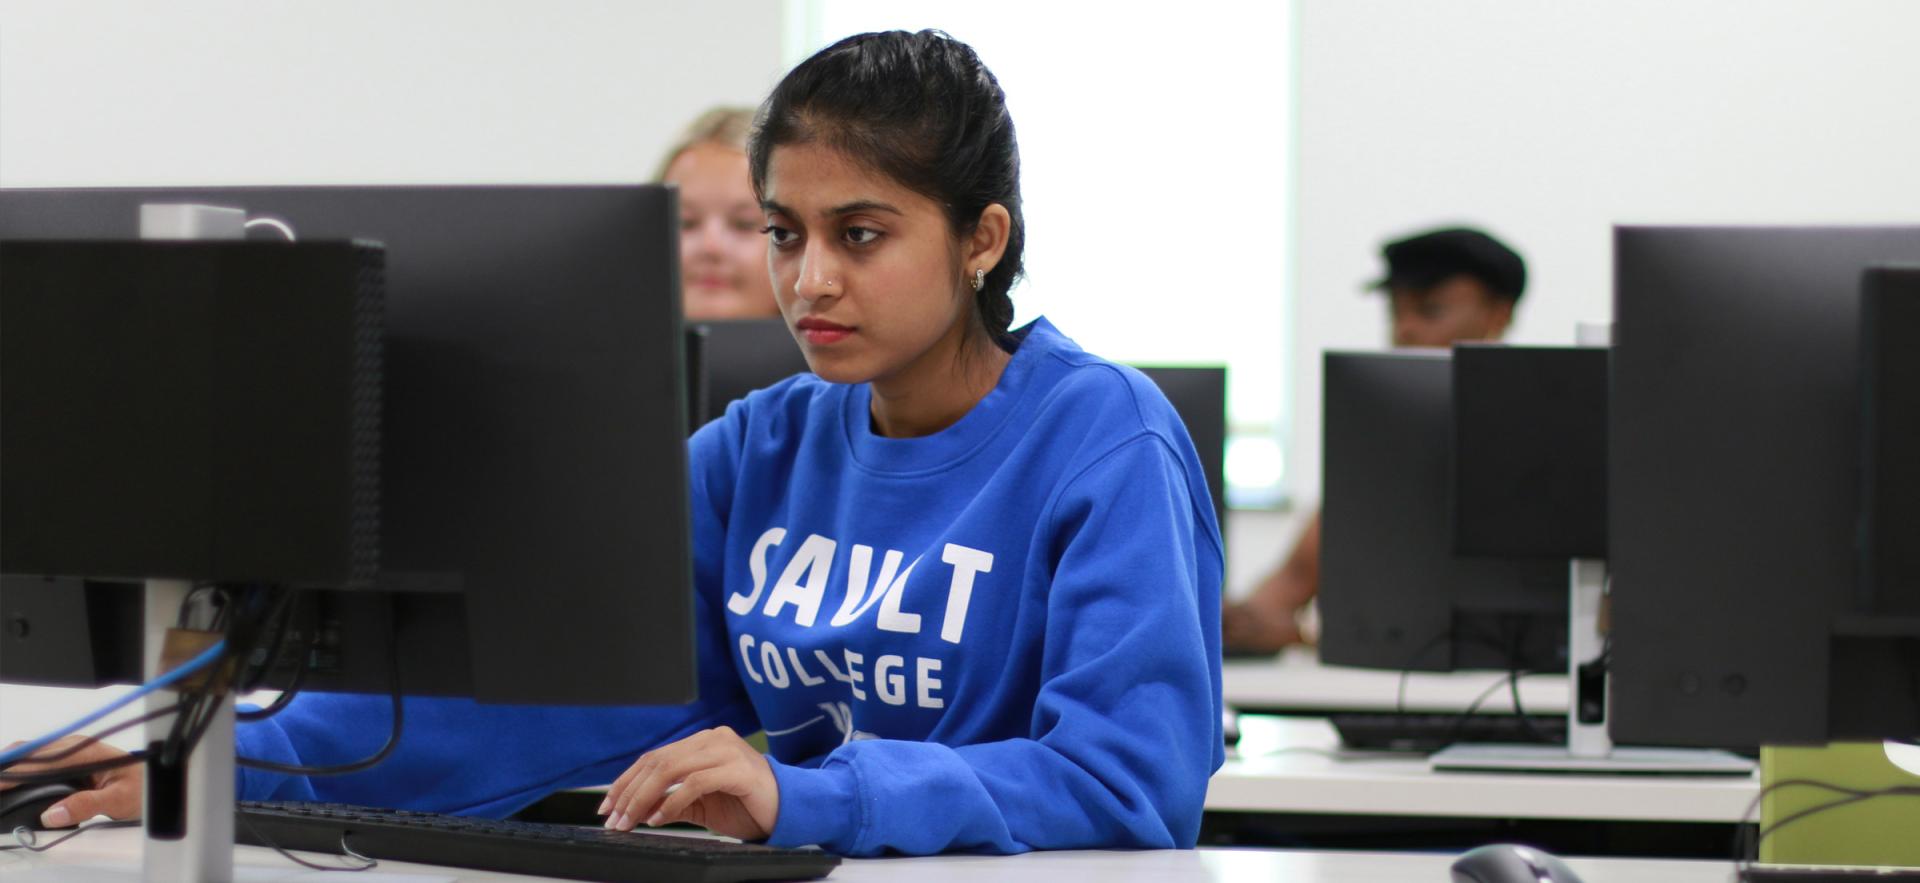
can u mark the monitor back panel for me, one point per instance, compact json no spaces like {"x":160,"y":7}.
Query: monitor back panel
{"x":1530,"y":451}
{"x":1733,"y":492}
{"x":534,"y":455}
{"x":1890,"y":479}
{"x":1393,"y":593}
{"x":743,"y":355}
{"x":1199,"y":395}
{"x":203,"y":411}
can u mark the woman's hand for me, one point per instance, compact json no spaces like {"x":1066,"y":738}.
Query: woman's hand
{"x":712,"y":778}
{"x":115,"y":793}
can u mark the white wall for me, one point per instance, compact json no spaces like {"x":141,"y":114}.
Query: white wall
{"x":1549,"y":122}
{"x":366,"y":91}
{"x":1141,"y":247}
{"x":356,"y":91}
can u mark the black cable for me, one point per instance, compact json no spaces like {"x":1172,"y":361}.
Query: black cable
{"x":1406,"y":671}
{"x":279,"y":702}
{"x":76,"y":748}
{"x":393,"y":737}
{"x":194,"y":712}
{"x":242,"y":635}
{"x":74,"y":772}
{"x":286,"y":696}
{"x":282,"y":616}
{"x":369,"y":863}
{"x":1402,"y":716}
{"x":1526,"y":723}
{"x":1514,"y":659}
{"x":1460,"y":722}
{"x":24,"y":837}
{"x":194,"y":718}
{"x":1744,"y":848}
{"x":1853,"y":795}
{"x":179,"y":742}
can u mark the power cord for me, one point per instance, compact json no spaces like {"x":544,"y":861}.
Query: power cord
{"x":25,"y":838}
{"x":1512,"y":680}
{"x":367,"y":863}
{"x":286,"y":696}
{"x":76,"y":748}
{"x":393,"y":737}
{"x":1519,"y":710}
{"x":1516,"y":652}
{"x":1747,"y":851}
{"x":74,"y":772}
{"x":1460,"y":722}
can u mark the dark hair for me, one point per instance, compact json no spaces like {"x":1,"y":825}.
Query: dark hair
{"x":921,"y":109}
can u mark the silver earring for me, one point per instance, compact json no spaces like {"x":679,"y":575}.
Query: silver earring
{"x":979,"y":278}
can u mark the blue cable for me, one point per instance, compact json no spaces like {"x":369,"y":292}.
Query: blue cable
{"x":205,"y":658}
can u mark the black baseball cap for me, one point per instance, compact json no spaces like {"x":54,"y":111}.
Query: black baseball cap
{"x":1428,"y":259}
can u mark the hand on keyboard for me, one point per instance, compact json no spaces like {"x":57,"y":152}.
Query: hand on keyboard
{"x":712,"y":778}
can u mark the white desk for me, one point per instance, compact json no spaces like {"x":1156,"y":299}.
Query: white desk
{"x":1295,"y":682}
{"x":1286,"y":765}
{"x":114,"y":855}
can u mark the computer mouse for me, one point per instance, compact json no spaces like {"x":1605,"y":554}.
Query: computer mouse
{"x":21,"y":807}
{"x":1509,"y":863}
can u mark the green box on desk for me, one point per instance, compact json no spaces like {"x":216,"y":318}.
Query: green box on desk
{"x":1877,"y":832}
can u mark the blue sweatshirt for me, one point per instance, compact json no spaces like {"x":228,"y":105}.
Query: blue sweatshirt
{"x":1000,"y":637}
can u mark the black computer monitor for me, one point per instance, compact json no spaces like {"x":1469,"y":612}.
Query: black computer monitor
{"x":1890,"y":425}
{"x":1530,"y":451}
{"x":1734,"y":490}
{"x":1393,"y":593}
{"x":1199,"y":395}
{"x":534,"y":498}
{"x":743,"y":355}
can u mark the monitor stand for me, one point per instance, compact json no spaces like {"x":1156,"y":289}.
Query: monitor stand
{"x":189,"y":807}
{"x":1589,"y":748}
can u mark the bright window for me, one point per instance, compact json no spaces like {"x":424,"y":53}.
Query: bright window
{"x":1156,"y":165}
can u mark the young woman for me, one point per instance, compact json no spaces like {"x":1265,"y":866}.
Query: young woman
{"x":722,"y":252}
{"x":966,"y":578}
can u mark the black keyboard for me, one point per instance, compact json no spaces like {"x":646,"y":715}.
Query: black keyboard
{"x":568,"y":851}
{"x":1432,"y":731}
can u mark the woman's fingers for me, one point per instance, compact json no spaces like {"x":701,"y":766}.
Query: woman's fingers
{"x":725,"y":779}
{"x":113,"y":792}
{"x":620,"y":785}
{"x":668,"y":767}
{"x":711,"y":778}
{"x":118,"y":800}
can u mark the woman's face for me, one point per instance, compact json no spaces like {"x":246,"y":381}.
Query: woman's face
{"x":866,"y":271}
{"x":722,"y":254}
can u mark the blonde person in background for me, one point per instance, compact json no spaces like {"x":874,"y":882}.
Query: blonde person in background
{"x":723,"y":254}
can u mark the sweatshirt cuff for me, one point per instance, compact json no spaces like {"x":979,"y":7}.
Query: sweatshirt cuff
{"x":818,"y":807}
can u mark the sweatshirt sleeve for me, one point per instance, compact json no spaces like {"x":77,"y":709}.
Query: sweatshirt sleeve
{"x":1125,"y":731}
{"x":460,"y":756}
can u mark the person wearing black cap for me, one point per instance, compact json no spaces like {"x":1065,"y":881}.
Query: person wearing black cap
{"x":1442,"y":286}
{"x":1452,"y":284}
